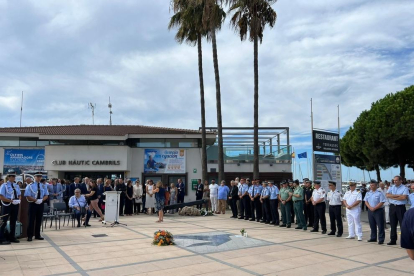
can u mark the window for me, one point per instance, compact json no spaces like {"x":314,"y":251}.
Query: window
{"x":167,"y":143}
{"x":9,"y":141}
{"x":42,"y":143}
{"x":151,"y":143}
{"x":25,"y":142}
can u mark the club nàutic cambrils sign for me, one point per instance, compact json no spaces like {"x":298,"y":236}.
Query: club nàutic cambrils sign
{"x":164,"y":161}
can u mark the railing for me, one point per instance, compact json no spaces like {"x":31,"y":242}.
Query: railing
{"x":244,"y":154}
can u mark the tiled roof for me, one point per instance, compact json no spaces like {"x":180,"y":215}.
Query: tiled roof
{"x":107,"y":130}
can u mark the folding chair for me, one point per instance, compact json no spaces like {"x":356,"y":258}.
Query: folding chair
{"x":60,"y":211}
{"x":47,"y":213}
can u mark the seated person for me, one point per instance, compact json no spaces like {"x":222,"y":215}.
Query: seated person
{"x":76,"y":202}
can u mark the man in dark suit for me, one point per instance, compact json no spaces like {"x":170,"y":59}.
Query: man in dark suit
{"x":76,"y":185}
{"x":234,"y":196}
{"x":181,"y":191}
{"x":199,"y":192}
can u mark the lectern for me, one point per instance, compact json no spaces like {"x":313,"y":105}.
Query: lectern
{"x":112,"y":206}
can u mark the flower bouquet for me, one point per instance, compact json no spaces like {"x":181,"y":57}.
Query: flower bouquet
{"x":204,"y":212}
{"x":243,"y":233}
{"x":163,"y":238}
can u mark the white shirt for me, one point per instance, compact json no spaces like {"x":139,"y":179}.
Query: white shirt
{"x":352,"y":197}
{"x":239,"y":185}
{"x":318,"y":194}
{"x":334,"y":198}
{"x":213,"y":190}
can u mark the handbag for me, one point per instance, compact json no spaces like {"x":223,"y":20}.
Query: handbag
{"x":138,"y":200}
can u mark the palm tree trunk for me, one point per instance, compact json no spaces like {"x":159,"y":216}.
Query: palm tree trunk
{"x":256,"y":110}
{"x":218,"y":104}
{"x":203,"y":112}
{"x":378,"y":171}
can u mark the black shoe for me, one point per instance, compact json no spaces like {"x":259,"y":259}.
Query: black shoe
{"x":87,"y":225}
{"x":339,"y":235}
{"x":380,"y":242}
{"x":251,"y":219}
{"x":246,"y":219}
{"x":4,"y":243}
{"x":29,"y":239}
{"x":78,"y":225}
{"x":40,"y":238}
{"x":392,"y":243}
{"x":331,"y":234}
{"x":310,"y":225}
{"x":298,"y":227}
{"x":282,"y":225}
{"x":267,"y":222}
{"x":241,"y":217}
{"x":15,"y":240}
{"x":371,"y":240}
{"x":288,"y":226}
{"x":262,"y":221}
{"x":314,"y":230}
{"x":323,"y":232}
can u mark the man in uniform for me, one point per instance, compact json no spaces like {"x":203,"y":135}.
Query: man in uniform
{"x":318,"y":201}
{"x":245,"y":200}
{"x":397,"y":196}
{"x":292,"y":211}
{"x":407,"y":233}
{"x":351,"y":200}
{"x":252,"y":204}
{"x":335,"y":205}
{"x":374,"y":200}
{"x":285,"y":203}
{"x":274,"y":192}
{"x":257,"y":204}
{"x":297,"y":197}
{"x":10,"y":197}
{"x":36,"y":193}
{"x":309,"y":212}
{"x":199,"y":192}
{"x":264,"y":200}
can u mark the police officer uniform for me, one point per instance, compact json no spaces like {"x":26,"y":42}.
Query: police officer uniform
{"x":285,"y":204}
{"x":308,"y":206}
{"x":297,"y":198}
{"x":274,"y":192}
{"x":397,"y":209}
{"x":252,"y":192}
{"x":257,"y":204}
{"x":10,"y":201}
{"x":292,"y":210}
{"x":245,"y":202}
{"x":335,"y":204}
{"x":376,"y":217}
{"x":353,"y":215}
{"x":265,"y":200}
{"x":39,"y":193}
{"x":320,"y":207}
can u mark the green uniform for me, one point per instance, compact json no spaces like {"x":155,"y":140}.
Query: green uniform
{"x":298,"y":207}
{"x":285,"y":208}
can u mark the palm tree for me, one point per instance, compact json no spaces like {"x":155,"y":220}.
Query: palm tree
{"x":213,"y":18}
{"x":250,"y":19}
{"x":188,"y":18}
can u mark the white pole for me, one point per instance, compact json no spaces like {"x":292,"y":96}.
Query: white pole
{"x":313,"y":155}
{"x":21,"y":111}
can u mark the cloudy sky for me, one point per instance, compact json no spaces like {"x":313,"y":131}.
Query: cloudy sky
{"x":65,"y":54}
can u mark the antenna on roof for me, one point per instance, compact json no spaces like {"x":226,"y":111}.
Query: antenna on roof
{"x":21,"y":111}
{"x":110,"y":111}
{"x":91,"y":106}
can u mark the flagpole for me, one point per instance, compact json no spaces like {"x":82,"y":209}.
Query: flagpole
{"x":21,"y":111}
{"x":313,"y":155}
{"x":307,"y":164}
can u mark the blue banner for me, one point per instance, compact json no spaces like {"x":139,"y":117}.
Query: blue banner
{"x":164,"y":161}
{"x":303,"y":155}
{"x":24,"y":160}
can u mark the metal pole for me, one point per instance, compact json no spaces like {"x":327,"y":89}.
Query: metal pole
{"x":313,"y":155}
{"x":21,"y":111}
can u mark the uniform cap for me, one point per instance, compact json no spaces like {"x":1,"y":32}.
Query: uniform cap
{"x":283,"y":182}
{"x":317,"y":182}
{"x":11,"y":173}
{"x":297,"y":181}
{"x":305,"y":179}
{"x":38,"y":174}
{"x":290,"y":181}
{"x":373,"y":181}
{"x":332,"y":182}
{"x":309,"y":181}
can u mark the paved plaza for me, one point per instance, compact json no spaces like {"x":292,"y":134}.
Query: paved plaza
{"x":205,"y":246}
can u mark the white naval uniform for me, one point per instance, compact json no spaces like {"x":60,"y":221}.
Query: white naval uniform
{"x":353,"y":216}
{"x":334,"y":198}
{"x":213,"y":196}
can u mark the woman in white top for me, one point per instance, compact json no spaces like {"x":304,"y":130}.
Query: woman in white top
{"x":137,"y":197}
{"x":150,"y":198}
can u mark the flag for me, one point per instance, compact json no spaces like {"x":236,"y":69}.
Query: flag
{"x":293,"y":154}
{"x":303,"y":155}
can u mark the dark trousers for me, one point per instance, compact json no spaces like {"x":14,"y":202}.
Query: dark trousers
{"x":121,"y":205}
{"x":376,"y":219}
{"x":180,"y":199}
{"x":309,"y":213}
{"x":286,"y":215}
{"x":137,"y":207}
{"x":35,"y":219}
{"x":199,"y":197}
{"x":143,"y":204}
{"x":245,"y":206}
{"x":363,"y":205}
{"x":266,"y":210}
{"x":259,"y":208}
{"x":78,"y":215}
{"x":252,"y":209}
{"x":335,"y":215}
{"x":298,"y":207}
{"x":396,"y":216}
{"x":292,"y":213}
{"x":320,"y":209}
{"x":233,"y":204}
{"x":10,"y":211}
{"x":274,"y":211}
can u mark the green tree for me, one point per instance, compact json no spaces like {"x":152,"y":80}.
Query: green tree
{"x":250,"y":19}
{"x":188,"y":18}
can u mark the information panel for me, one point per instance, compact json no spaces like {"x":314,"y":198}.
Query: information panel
{"x":23,"y":160}
{"x":328,"y":168}
{"x":164,"y":161}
